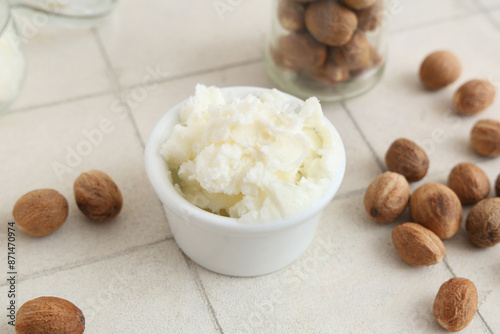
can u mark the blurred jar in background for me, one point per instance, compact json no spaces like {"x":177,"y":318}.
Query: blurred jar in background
{"x":12,"y":61}
{"x":331,"y":49}
{"x":75,"y":13}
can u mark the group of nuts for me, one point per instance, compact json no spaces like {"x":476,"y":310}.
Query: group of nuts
{"x":436,"y":209}
{"x":43,"y":211}
{"x":326,"y":39}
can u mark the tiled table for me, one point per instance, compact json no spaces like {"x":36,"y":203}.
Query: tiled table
{"x":129,"y":276}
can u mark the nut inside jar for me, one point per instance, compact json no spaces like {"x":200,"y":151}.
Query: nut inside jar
{"x":325,"y":43}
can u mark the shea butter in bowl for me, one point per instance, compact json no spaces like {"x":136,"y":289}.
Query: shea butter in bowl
{"x":244,"y":174}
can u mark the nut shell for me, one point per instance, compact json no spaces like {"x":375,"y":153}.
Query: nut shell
{"x":372,"y":17}
{"x":330,"y":23}
{"x":485,"y":138}
{"x":436,"y":207}
{"x":358,"y":4}
{"x":300,"y":51}
{"x":483,"y":223}
{"x":439,"y":69}
{"x":408,"y":159}
{"x":329,"y":73}
{"x":417,"y":245}
{"x":473,"y":97}
{"x":97,"y":196}
{"x":455,"y":304}
{"x":49,"y":315}
{"x":469,"y":182}
{"x":40,"y":212}
{"x":355,"y":55}
{"x":387,"y":197}
{"x":291,"y":15}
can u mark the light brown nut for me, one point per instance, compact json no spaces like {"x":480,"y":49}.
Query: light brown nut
{"x":329,"y":73}
{"x":97,"y":196}
{"x":417,"y":245}
{"x":473,"y":97}
{"x":386,"y":197}
{"x":291,"y":15}
{"x":485,"y":138}
{"x":40,"y":212}
{"x":483,"y":223}
{"x":330,"y":23}
{"x":355,"y":55}
{"x":469,"y":182}
{"x":372,"y":17}
{"x":408,"y":159}
{"x":49,"y":315}
{"x":455,"y":304}
{"x":436,"y":207}
{"x":439,"y":69}
{"x":301,"y":51}
{"x":358,"y":4}
{"x":497,"y":186}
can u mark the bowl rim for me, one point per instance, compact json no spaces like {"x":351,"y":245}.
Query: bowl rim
{"x":158,"y":174}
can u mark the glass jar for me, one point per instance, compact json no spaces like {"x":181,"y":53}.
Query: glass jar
{"x":331,"y":49}
{"x":12,"y":61}
{"x":76,"y":13}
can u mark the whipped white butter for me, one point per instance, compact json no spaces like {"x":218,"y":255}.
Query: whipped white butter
{"x":257,"y":158}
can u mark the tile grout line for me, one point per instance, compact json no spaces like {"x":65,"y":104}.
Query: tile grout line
{"x":380,"y":164}
{"x":434,"y":22}
{"x":129,"y":87}
{"x":203,"y":293}
{"x":117,"y":89}
{"x":487,"y":12}
{"x":48,"y":272}
{"x":59,"y":102}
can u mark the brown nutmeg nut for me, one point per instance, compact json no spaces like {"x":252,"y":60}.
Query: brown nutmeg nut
{"x":386,"y":197}
{"x":291,"y":15}
{"x":372,"y":17}
{"x":330,"y":23}
{"x":97,"y":196}
{"x":436,"y":207}
{"x":417,"y":245}
{"x":455,"y":304}
{"x":483,"y":223}
{"x":358,"y":4}
{"x":469,"y":182}
{"x":473,"y":97}
{"x":49,"y":315}
{"x":408,"y":159}
{"x":485,"y":137}
{"x":355,"y":55}
{"x":439,"y":69}
{"x":301,"y":51}
{"x":329,"y":73}
{"x":40,"y":212}
{"x":497,"y":186}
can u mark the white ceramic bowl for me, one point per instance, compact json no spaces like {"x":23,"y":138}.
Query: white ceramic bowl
{"x":221,"y":244}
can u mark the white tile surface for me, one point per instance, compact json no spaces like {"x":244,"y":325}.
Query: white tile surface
{"x":405,"y":109}
{"x":350,"y":280}
{"x":129,"y":275}
{"x":145,"y":291}
{"x":185,"y":37}
{"x":62,"y":63}
{"x":403,"y":14}
{"x":36,"y":139}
